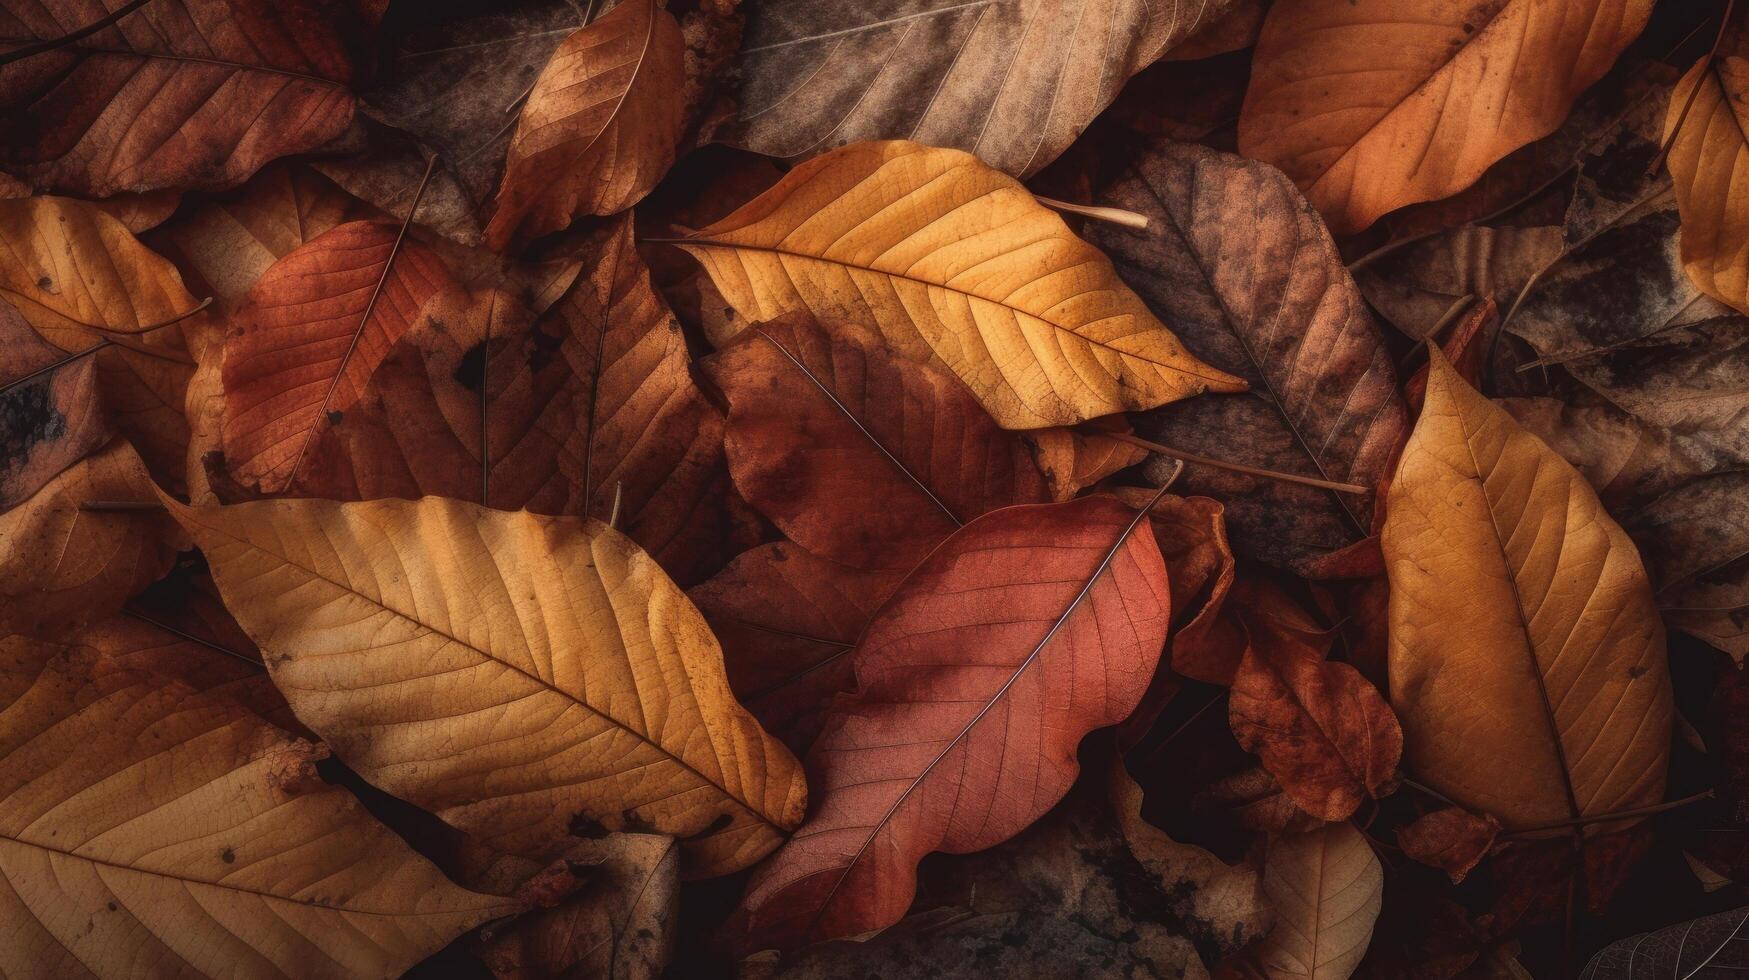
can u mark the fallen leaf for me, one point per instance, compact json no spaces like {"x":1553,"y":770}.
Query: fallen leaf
{"x":178,"y":93}
{"x":1419,"y":286}
{"x":1256,"y":800}
{"x":1012,"y":81}
{"x":787,"y":621}
{"x":61,"y":566}
{"x":1710,"y":945}
{"x":600,"y":127}
{"x":1376,"y":104}
{"x":1704,"y":127}
{"x":1219,"y":903}
{"x":1323,"y":731}
{"x":862,"y":457}
{"x":454,"y":646}
{"x":147,"y":822}
{"x":1073,"y":460}
{"x":970,"y":271}
{"x":1553,"y":701}
{"x":48,"y":420}
{"x":1268,"y":300}
{"x":1327,"y":888}
{"x":81,"y":279}
{"x":1693,"y":539}
{"x":1451,"y":839}
{"x":1536,"y":880}
{"x":1231,"y":31}
{"x":953,"y":742}
{"x":620,"y":925}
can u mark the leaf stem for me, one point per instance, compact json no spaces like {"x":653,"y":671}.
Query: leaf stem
{"x":133,"y":613}
{"x":1644,"y":811}
{"x":1114,"y":216}
{"x":40,"y":47}
{"x":1235,"y":467}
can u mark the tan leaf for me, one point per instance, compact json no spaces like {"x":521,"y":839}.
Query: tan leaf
{"x":61,"y":566}
{"x":953,"y":261}
{"x":392,"y":626}
{"x":80,"y":278}
{"x":1526,"y":656}
{"x":1370,"y":105}
{"x":600,"y":127}
{"x":1708,"y":149}
{"x":1327,"y":888}
{"x":149,"y":828}
{"x":1073,"y":460}
{"x":49,"y":414}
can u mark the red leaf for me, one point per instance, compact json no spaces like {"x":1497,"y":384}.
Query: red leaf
{"x":1020,"y":634}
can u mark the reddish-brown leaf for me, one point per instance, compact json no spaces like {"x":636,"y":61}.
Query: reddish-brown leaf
{"x":861,"y":456}
{"x":976,"y":682}
{"x":178,"y":93}
{"x":1320,"y":728}
{"x":787,"y":621}
{"x":1452,"y":839}
{"x":49,"y":422}
{"x":1256,"y":800}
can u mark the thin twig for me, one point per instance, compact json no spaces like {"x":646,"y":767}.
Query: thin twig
{"x":40,"y":47}
{"x":1222,"y":464}
{"x":613,"y":514}
{"x":1430,"y":791}
{"x":1113,"y":216}
{"x":1644,"y":811}
{"x":190,"y":637}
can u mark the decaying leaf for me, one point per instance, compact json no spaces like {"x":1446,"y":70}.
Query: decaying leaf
{"x":1327,"y":888}
{"x":1552,"y":702}
{"x":49,"y":415}
{"x":955,"y":262}
{"x":861,"y":457}
{"x":177,"y":93}
{"x":1417,"y":288}
{"x":1370,"y":105}
{"x":1268,"y":300}
{"x":1705,"y":126}
{"x":147,"y":825}
{"x":624,"y":719}
{"x":976,"y":681}
{"x":600,"y":127}
{"x":1451,"y":839}
{"x":1714,"y":945}
{"x":1012,"y":81}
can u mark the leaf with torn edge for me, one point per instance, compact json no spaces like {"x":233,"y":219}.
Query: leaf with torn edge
{"x":956,"y":263}
{"x":600,"y":128}
{"x":861,"y":456}
{"x":1370,"y":105}
{"x":177,"y":93}
{"x":977,"y":680}
{"x":1553,"y":702}
{"x":1265,"y":298}
{"x":143,"y":821}
{"x":392,"y":626}
{"x":1012,"y":81}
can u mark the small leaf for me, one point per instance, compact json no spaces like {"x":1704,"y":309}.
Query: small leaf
{"x":1327,"y":888}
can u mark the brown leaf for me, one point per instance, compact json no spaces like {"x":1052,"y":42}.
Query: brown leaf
{"x":1704,"y":125}
{"x":1451,"y":839}
{"x":1257,"y":801}
{"x":600,"y":127}
{"x":860,"y":456}
{"x":1536,"y":878}
{"x":1266,"y":299}
{"x":787,"y":621}
{"x":1320,"y":727}
{"x":1074,"y":459}
{"x":1192,"y":534}
{"x":1373,"y":104}
{"x":1416,"y":288}
{"x":49,"y":422}
{"x":1327,"y":888}
{"x":976,"y":681}
{"x":178,"y":93}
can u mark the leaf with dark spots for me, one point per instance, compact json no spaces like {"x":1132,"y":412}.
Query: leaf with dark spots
{"x":49,"y":416}
{"x":1265,"y":298}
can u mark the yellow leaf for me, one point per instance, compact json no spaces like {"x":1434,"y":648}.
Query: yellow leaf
{"x":1706,"y":160}
{"x":1327,"y":887}
{"x":1370,"y":105}
{"x":1526,"y":656}
{"x":953,"y":261}
{"x":149,"y":829}
{"x":600,"y":127}
{"x":518,"y":675}
{"x":60,"y":566}
{"x":79,"y":277}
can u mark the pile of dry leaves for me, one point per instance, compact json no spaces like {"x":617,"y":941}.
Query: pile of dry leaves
{"x":921,"y":488}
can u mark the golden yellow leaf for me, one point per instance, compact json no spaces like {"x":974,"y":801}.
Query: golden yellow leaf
{"x":60,"y":566}
{"x":1327,"y":887}
{"x":518,"y":675}
{"x":148,"y":829}
{"x":1526,"y":656}
{"x":1705,"y":159}
{"x":953,"y":261}
{"x":80,"y":277}
{"x":600,"y":127}
{"x":1373,"y":104}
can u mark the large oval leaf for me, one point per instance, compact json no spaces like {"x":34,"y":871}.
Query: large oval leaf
{"x":149,"y":828}
{"x":976,"y":681}
{"x":954,"y":262}
{"x":1526,"y":655}
{"x":1373,"y":104}
{"x":562,"y":677}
